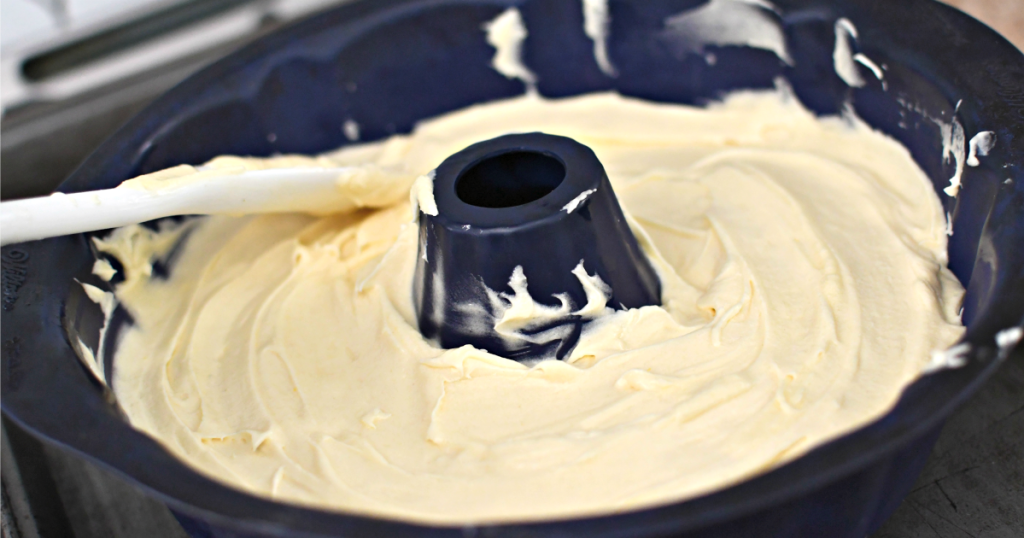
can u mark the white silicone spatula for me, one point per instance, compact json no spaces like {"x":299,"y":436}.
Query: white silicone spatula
{"x":206,"y":192}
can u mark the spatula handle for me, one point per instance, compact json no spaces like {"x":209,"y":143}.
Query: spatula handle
{"x":308,"y":190}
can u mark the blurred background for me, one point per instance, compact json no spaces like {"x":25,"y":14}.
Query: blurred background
{"x":1005,"y":16}
{"x":73,"y":71}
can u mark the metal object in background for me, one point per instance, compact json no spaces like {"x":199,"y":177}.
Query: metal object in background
{"x":63,"y":95}
{"x":100,"y":42}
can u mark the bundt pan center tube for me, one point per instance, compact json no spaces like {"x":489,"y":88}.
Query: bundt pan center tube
{"x":524,"y":209}
{"x":928,"y":76}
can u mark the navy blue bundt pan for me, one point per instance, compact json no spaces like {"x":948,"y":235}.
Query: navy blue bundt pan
{"x":501,"y":205}
{"x":388,"y":63}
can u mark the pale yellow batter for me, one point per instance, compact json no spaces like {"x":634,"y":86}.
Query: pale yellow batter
{"x":804,"y":285}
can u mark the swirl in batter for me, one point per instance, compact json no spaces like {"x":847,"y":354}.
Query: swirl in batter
{"x":804,"y":284}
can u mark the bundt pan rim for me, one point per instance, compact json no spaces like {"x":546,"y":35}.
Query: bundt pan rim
{"x":40,"y":307}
